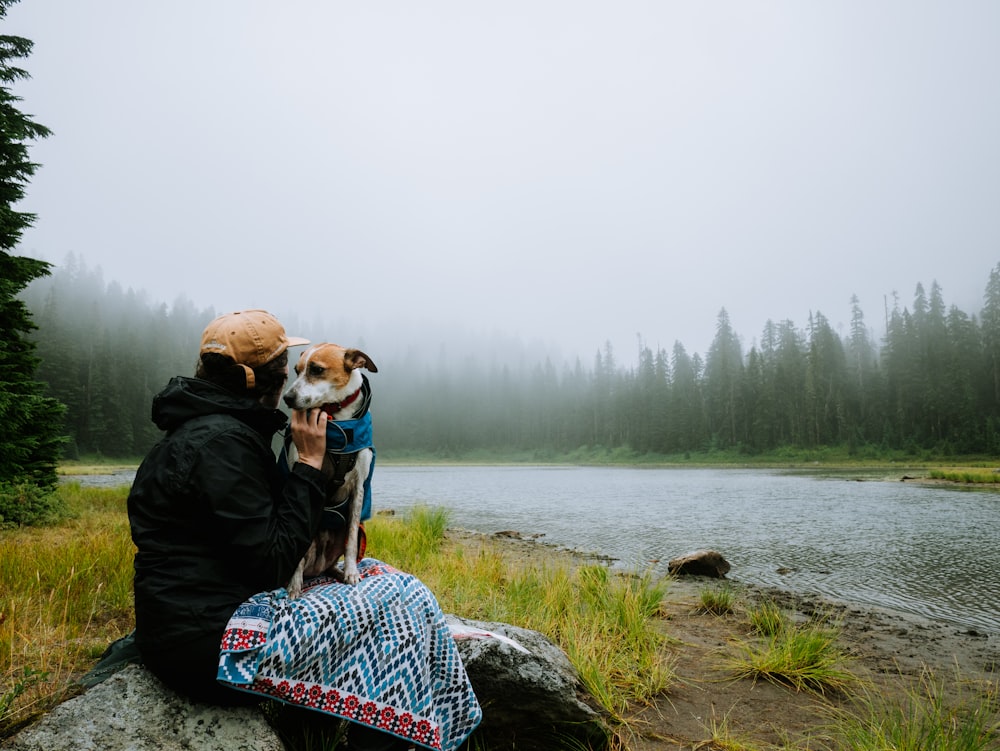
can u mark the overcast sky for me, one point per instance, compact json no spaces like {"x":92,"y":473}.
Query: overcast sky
{"x":566,"y":173}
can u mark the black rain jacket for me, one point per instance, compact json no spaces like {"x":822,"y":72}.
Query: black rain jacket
{"x":213,"y":520}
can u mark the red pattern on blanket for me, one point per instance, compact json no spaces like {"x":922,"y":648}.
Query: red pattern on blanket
{"x":379,"y":653}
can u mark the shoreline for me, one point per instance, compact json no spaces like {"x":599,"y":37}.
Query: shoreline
{"x":879,"y":629}
{"x":894,"y":657}
{"x":893,"y":639}
{"x":102,"y":478}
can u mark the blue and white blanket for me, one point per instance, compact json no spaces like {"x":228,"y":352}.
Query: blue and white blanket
{"x":379,"y":653}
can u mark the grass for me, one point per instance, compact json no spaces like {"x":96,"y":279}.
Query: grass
{"x":969,"y":475}
{"x":922,"y":719}
{"x":981,"y":468}
{"x":931,"y":715}
{"x":804,"y":656}
{"x":767,"y":618}
{"x":70,"y":469}
{"x":717,"y":600}
{"x":66,"y":593}
{"x":823,"y":457}
{"x":583,"y":609}
{"x":722,"y":738}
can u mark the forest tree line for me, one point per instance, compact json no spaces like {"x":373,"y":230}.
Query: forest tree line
{"x":932,"y":382}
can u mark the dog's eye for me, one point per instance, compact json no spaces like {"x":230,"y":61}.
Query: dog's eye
{"x":316,"y":370}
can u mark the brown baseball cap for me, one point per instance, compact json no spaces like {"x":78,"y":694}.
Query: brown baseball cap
{"x":250,"y":337}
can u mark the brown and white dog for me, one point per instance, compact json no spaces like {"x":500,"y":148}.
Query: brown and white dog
{"x":329,"y":376}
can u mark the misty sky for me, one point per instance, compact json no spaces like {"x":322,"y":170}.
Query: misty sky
{"x":562,"y":172}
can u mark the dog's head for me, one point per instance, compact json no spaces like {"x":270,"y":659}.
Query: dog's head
{"x":327,"y":374}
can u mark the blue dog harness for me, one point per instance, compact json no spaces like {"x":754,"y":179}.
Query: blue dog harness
{"x":344,"y":440}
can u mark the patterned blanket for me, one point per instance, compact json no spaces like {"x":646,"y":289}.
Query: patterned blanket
{"x":379,"y":653}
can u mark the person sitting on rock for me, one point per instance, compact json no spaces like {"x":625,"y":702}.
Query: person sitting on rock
{"x":219,"y":530}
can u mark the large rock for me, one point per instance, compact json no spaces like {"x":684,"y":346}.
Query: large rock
{"x":532,"y":697}
{"x":532,"y":700}
{"x":133,"y":711}
{"x":700,"y":563}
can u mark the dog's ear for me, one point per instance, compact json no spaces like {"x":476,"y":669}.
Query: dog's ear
{"x":355,"y":358}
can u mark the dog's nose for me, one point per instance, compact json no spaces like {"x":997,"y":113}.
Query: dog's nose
{"x":289,"y":399}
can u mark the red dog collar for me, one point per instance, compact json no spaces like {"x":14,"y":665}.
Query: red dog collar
{"x":335,"y":407}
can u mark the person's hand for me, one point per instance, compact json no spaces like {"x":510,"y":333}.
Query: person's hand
{"x":309,"y":436}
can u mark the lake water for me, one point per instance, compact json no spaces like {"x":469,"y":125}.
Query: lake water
{"x":933,"y":551}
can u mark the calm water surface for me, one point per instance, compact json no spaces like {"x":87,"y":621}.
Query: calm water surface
{"x":931,"y":551}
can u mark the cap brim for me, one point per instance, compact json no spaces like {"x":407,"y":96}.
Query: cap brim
{"x":296,"y":341}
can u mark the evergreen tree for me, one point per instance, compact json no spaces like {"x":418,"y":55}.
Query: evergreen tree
{"x":646,"y":423}
{"x":757,"y":403}
{"x":604,"y":396}
{"x":964,"y":422}
{"x":30,"y":422}
{"x":788,"y":380}
{"x":864,"y":385}
{"x":687,"y":430}
{"x":826,"y":378}
{"x":723,"y":381}
{"x":937,"y":350}
{"x":991,"y":334}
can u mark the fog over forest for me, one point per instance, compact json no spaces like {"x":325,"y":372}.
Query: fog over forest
{"x":533,"y":179}
{"x":461,"y":342}
{"x":931,"y":383}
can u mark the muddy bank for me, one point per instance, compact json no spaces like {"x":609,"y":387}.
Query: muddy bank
{"x":888,"y":651}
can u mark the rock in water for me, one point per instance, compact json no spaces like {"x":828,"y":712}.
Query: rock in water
{"x":700,"y":563}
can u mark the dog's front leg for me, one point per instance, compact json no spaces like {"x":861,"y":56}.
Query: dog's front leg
{"x":364,"y":463}
{"x":296,"y":582}
{"x":351,"y":575}
{"x":307,"y":562}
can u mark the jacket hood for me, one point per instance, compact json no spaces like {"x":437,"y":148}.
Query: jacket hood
{"x":186,"y":398}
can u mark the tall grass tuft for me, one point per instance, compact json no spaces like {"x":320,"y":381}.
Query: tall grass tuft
{"x":722,"y":738}
{"x":804,"y":656}
{"x":717,"y":600}
{"x":921,"y":720}
{"x":766,"y":618}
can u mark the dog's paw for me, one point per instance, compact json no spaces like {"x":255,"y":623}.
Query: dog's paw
{"x":351,"y":577}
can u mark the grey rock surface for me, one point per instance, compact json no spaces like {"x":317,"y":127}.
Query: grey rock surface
{"x":531,"y":695}
{"x":133,"y":711}
{"x":532,"y":700}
